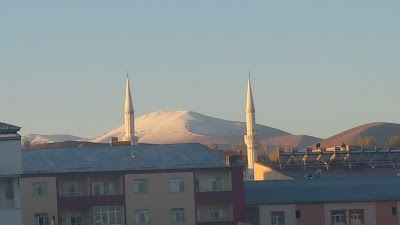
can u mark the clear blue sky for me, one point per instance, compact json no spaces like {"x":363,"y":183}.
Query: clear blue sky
{"x":318,"y":67}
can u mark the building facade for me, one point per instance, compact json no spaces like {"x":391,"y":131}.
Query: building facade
{"x":366,"y":201}
{"x":10,"y":171}
{"x":141,"y":184}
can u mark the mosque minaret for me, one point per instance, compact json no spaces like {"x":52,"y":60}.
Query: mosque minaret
{"x":129,"y":134}
{"x":250,"y":138}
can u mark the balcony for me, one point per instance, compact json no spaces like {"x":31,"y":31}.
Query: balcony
{"x":214,"y":196}
{"x":90,"y":201}
{"x":217,"y":223}
{"x":75,"y":217}
{"x":87,"y":191}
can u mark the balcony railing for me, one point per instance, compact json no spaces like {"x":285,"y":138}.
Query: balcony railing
{"x":216,"y":222}
{"x":74,"y":194}
{"x":72,"y":224}
{"x":214,"y":197}
{"x":90,"y":201}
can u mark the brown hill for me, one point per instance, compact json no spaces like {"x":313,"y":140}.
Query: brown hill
{"x":291,"y":141}
{"x":379,"y":130}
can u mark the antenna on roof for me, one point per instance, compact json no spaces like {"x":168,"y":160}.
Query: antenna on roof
{"x":133,"y":153}
{"x":318,"y":173}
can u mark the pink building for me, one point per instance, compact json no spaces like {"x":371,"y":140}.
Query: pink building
{"x":367,"y":201}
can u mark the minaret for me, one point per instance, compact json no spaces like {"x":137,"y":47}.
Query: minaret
{"x":250,"y":138}
{"x":129,"y":134}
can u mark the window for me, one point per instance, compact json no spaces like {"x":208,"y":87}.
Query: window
{"x":356,"y":216}
{"x":71,"y":189}
{"x":10,"y":189}
{"x":215,"y":184}
{"x":75,"y":220}
{"x":39,"y":188}
{"x":298,"y":215}
{"x":111,"y":188}
{"x":142,"y":216}
{"x":277,"y":218}
{"x":177,"y":215}
{"x":338,"y":217}
{"x":176,"y":185}
{"x":97,"y":188}
{"x":140,"y":185}
{"x":216,"y":214}
{"x":42,"y":219}
{"x":394,"y":211}
{"x":111,"y":215}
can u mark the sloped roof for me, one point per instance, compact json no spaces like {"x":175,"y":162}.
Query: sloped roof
{"x":121,"y":158}
{"x":4,"y":127}
{"x":318,"y":191}
{"x":9,"y":132}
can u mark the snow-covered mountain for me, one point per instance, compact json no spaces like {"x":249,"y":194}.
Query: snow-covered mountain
{"x":41,"y":139}
{"x":166,"y":127}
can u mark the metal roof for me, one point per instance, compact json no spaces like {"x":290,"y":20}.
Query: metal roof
{"x":7,"y":128}
{"x":318,"y":191}
{"x":121,"y":158}
{"x":334,"y":172}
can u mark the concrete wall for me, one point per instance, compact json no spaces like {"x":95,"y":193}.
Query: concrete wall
{"x":158,"y":200}
{"x":36,"y":204}
{"x":384,"y":213}
{"x":368,"y":207}
{"x":262,"y":172}
{"x":12,"y":163}
{"x":289,"y":216}
{"x":310,"y":214}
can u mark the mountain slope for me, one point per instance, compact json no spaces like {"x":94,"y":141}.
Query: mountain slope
{"x":294,"y":141}
{"x":40,"y":138}
{"x":165,"y":127}
{"x":381,"y":131}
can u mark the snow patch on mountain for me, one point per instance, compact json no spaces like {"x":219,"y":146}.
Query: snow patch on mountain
{"x":41,"y":139}
{"x":167,"y":127}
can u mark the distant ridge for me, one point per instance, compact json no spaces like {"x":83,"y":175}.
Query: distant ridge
{"x":291,"y":141}
{"x":379,"y":130}
{"x":165,"y":127}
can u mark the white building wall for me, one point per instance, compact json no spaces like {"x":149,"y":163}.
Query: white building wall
{"x":10,"y":170}
{"x":11,"y":160}
{"x":10,"y":217}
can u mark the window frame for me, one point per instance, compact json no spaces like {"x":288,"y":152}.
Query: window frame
{"x":277,"y":214}
{"x":140,"y":186}
{"x":219,"y":185}
{"x":176,"y":185}
{"x":102,"y":188}
{"x":35,"y":189}
{"x":342,"y":212}
{"x":220,"y":212}
{"x":359,"y":212}
{"x":44,"y":216}
{"x":117,"y":211}
{"x":174,"y":215}
{"x":139,"y":212}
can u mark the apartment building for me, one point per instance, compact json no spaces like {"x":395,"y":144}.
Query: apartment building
{"x":10,"y":171}
{"x":126,"y":185}
{"x":367,"y":201}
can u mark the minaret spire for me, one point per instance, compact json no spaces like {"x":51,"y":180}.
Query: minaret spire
{"x":250,"y":138}
{"x":129,"y":134}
